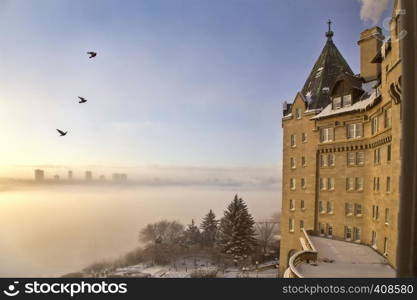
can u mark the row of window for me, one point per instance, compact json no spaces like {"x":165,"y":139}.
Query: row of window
{"x":346,"y":101}
{"x":375,"y":214}
{"x":323,"y":208}
{"x":353,"y":158}
{"x":374,"y":242}
{"x":355,"y":130}
{"x":326,"y":184}
{"x":292,"y":205}
{"x":293,"y":139}
{"x":293,"y":162}
{"x":291,"y":225}
{"x":353,"y":184}
{"x":351,"y":209}
{"x":350,"y":233}
{"x":293,"y":183}
{"x":376,"y":184}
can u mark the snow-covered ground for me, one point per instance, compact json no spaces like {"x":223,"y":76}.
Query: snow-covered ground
{"x":186,"y":266}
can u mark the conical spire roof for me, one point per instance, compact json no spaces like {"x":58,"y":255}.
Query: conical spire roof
{"x":327,"y":68}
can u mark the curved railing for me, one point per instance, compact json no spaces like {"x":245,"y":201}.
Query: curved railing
{"x":307,"y":255}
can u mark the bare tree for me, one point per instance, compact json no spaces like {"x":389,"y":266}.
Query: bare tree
{"x":167,"y":232}
{"x":265,"y":234}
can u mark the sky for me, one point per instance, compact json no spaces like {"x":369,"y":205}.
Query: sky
{"x":179,"y":83}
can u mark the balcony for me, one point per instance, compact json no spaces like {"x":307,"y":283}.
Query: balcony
{"x":327,"y":258}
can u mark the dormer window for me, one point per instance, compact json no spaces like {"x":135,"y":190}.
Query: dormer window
{"x":347,"y":100}
{"x":337,"y":102}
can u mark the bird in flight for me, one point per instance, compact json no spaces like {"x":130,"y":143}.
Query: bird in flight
{"x":61,"y":132}
{"x":82,"y":100}
{"x":92,"y":54}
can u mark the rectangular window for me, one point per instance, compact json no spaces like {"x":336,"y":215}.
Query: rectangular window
{"x":348,"y":209}
{"x":292,"y":140}
{"x":331,"y":160}
{"x":303,"y":161}
{"x":337,"y":102}
{"x":360,"y":158}
{"x":329,"y":230}
{"x":302,"y":205}
{"x":388,"y":187}
{"x":301,"y":225}
{"x":330,"y":184}
{"x":375,"y":212}
{"x":303,"y":183}
{"x":351,"y":158}
{"x":292,"y":204}
{"x":350,"y":183}
{"x":321,"y":207}
{"x":329,"y":207}
{"x":323,"y":161}
{"x":377,"y":156}
{"x":292,"y":183}
{"x":348,"y":233}
{"x":359,"y":183}
{"x":373,"y":239}
{"x":292,"y":163}
{"x":358,"y":210}
{"x":322,"y":184}
{"x":374,"y":125}
{"x":389,"y":153}
{"x":387,"y":216}
{"x":303,"y":137}
{"x":321,"y":229}
{"x":387,"y":118}
{"x":354,"y":131}
{"x":291,"y":225}
{"x":386,"y":246}
{"x":356,"y":234}
{"x":326,"y":135}
{"x":347,"y":100}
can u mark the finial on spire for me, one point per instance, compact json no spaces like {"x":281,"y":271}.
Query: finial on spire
{"x":329,"y":34}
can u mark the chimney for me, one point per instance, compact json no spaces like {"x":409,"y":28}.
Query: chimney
{"x":370,"y":44}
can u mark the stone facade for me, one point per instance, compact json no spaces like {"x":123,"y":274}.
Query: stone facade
{"x":341,"y":161}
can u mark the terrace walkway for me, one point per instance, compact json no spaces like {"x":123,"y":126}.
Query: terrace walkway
{"x":349,"y":260}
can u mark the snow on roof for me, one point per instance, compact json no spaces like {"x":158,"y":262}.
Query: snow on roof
{"x":369,"y":87}
{"x":358,"y":106}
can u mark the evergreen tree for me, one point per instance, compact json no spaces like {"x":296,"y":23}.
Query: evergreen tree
{"x":209,"y":229}
{"x":192,"y":234}
{"x":237,"y":232}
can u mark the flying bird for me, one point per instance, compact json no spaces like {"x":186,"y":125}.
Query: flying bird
{"x":61,"y":132}
{"x":92,"y":54}
{"x":82,"y":100}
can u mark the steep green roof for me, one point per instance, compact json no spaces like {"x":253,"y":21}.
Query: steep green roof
{"x":327,"y":68}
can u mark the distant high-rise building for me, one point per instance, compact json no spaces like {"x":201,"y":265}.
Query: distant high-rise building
{"x":119,"y":177}
{"x":39,"y":175}
{"x":56,"y":177}
{"x":88,"y":176}
{"x":69,"y":175}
